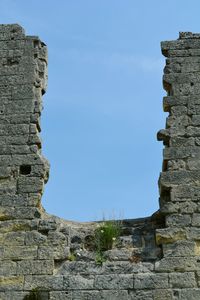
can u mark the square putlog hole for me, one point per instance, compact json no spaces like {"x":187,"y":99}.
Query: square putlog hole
{"x":25,"y":169}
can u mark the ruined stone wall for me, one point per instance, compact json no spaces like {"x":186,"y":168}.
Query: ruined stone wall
{"x":45,"y":257}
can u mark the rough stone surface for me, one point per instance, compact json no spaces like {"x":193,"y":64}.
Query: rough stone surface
{"x":156,"y":257}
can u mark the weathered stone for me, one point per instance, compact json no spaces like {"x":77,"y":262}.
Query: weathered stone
{"x":177,"y":264}
{"x":163,"y":294}
{"x":141,"y":295}
{"x":151,"y":281}
{"x":182,"y":280}
{"x":180,"y":248}
{"x":119,"y":282}
{"x":11,"y":283}
{"x":181,"y":152}
{"x":178,"y":220}
{"x":78,"y":282}
{"x":67,"y":295}
{"x":193,"y":233}
{"x":13,"y":238}
{"x":43,"y":282}
{"x":8,"y":268}
{"x":45,"y":257}
{"x":20,"y":252}
{"x":35,"y":267}
{"x":170,"y":235}
{"x":171,"y":178}
{"x":192,"y":294}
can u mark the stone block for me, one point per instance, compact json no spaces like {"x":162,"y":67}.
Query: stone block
{"x":181,"y":142}
{"x":176,"y":121}
{"x":30,"y":184}
{"x":181,"y":44}
{"x":177,"y":264}
{"x":35,"y":267}
{"x":12,"y":129}
{"x":45,"y":252}
{"x":185,"y":193}
{"x":17,"y":225}
{"x":180,"y":248}
{"x":173,"y":153}
{"x":183,"y":207}
{"x":9,"y":213}
{"x":141,"y":295}
{"x":12,"y":238}
{"x":119,"y":282}
{"x":33,"y":237}
{"x":20,"y":252}
{"x":178,"y":220}
{"x":12,"y":295}
{"x":112,"y":295}
{"x":151,"y":281}
{"x":5,"y":172}
{"x":11,"y":283}
{"x":23,"y":200}
{"x":8,"y":268}
{"x":171,"y":178}
{"x":78,"y":282}
{"x":193,"y":233}
{"x":169,"y":235}
{"x":43,"y":282}
{"x":163,"y":294}
{"x":182,"y":280}
{"x":196,"y":220}
{"x":8,"y":186}
{"x":67,"y":295}
{"x":192,"y":294}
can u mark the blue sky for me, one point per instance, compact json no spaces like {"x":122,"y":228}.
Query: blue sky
{"x":103,"y":106}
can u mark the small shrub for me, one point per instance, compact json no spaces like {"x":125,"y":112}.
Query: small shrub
{"x":104,"y":238}
{"x":106,"y":235}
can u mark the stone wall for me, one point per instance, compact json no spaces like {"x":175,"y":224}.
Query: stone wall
{"x":45,"y":257}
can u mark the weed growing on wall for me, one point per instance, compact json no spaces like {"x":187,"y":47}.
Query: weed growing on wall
{"x":105,"y":236}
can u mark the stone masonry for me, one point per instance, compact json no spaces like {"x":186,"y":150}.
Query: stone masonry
{"x":44,"y":257}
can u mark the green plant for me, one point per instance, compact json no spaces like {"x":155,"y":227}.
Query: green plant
{"x":100,"y":258}
{"x":106,"y":235}
{"x":72,"y":257}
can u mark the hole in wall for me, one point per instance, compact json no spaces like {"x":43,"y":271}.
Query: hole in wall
{"x":176,"y":293}
{"x":165,"y":194}
{"x":164,"y":165}
{"x":166,"y":143}
{"x":39,"y":145}
{"x":41,"y":74}
{"x":36,"y":44}
{"x":25,"y":169}
{"x":12,"y":61}
{"x":14,"y":30}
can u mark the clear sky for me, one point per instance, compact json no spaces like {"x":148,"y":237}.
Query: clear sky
{"x":103,"y":106}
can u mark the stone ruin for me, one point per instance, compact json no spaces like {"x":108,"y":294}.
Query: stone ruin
{"x":45,"y":257}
